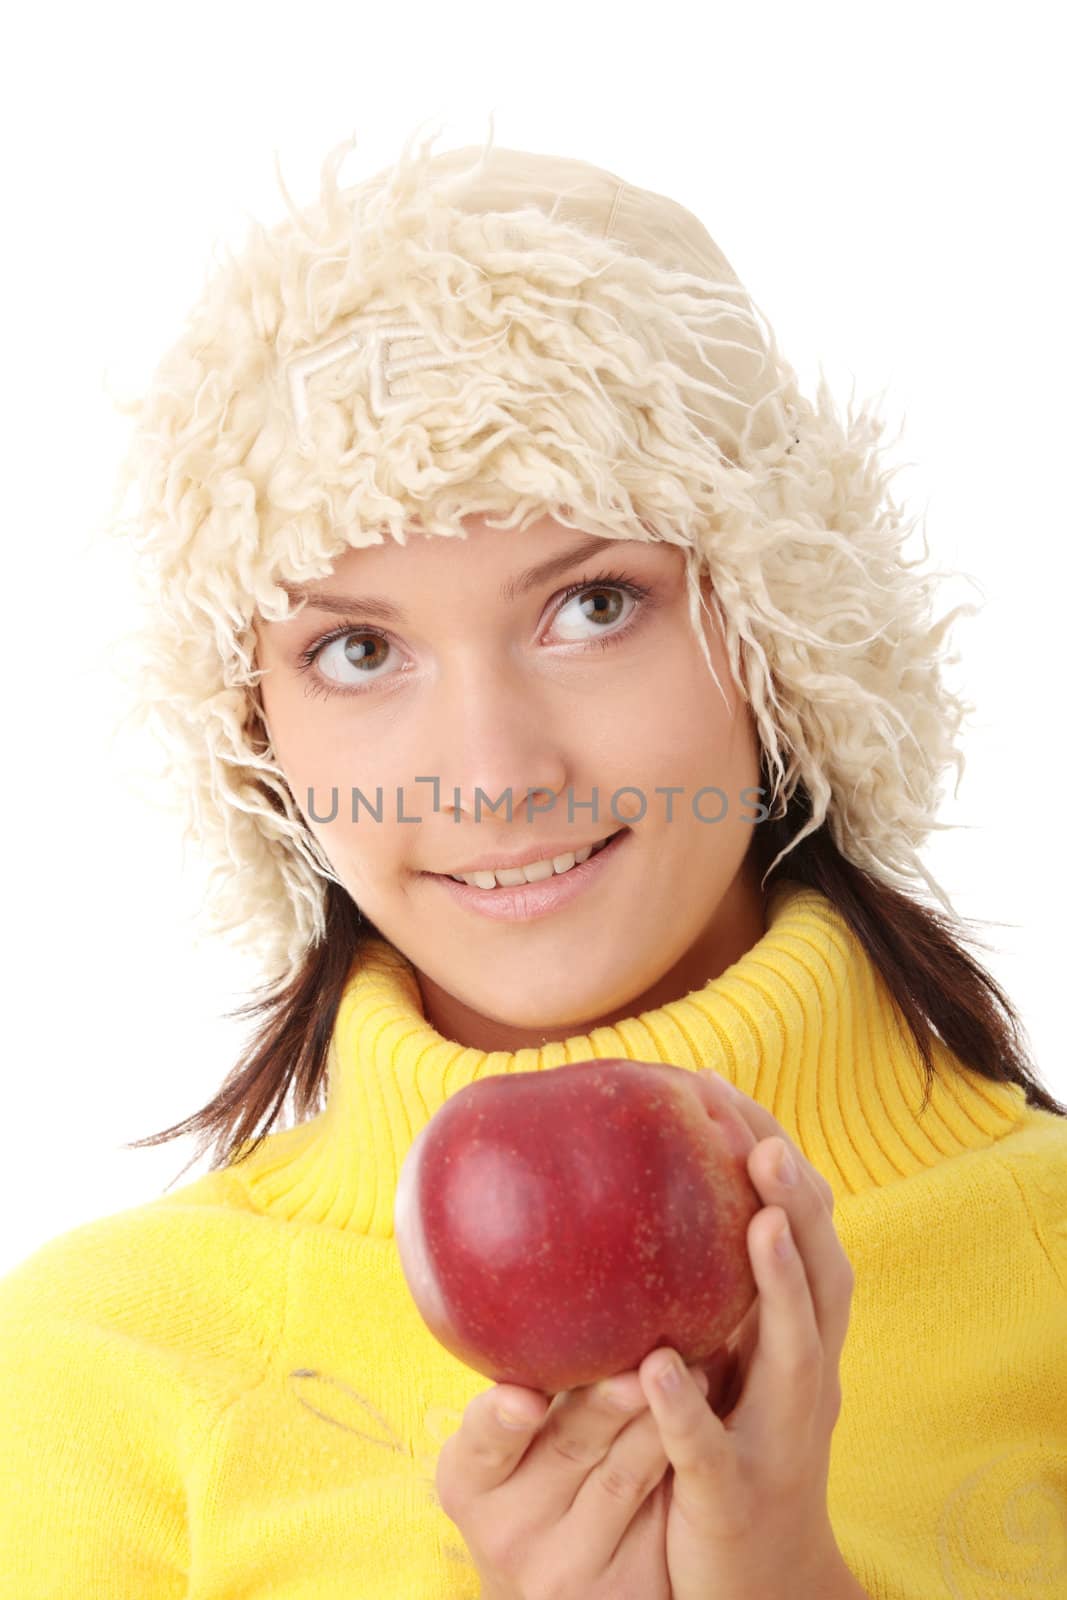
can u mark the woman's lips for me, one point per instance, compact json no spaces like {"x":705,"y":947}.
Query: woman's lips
{"x":525,"y":901}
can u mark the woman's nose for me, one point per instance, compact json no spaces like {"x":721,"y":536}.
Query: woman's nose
{"x":498,"y":746}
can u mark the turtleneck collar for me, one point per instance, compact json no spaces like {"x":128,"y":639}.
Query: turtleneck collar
{"x":802,"y":1022}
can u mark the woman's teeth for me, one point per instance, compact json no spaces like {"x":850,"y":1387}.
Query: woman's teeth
{"x":536,"y":872}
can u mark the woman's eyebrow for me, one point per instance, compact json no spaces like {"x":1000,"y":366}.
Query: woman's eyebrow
{"x":385,"y":611}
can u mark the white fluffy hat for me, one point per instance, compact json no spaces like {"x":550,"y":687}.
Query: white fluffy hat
{"x":492,"y":331}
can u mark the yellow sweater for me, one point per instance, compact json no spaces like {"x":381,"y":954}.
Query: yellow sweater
{"x":227,"y":1392}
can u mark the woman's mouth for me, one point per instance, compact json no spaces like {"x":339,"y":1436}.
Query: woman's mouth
{"x":552,"y":888}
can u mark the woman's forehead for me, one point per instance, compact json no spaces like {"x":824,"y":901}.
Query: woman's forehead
{"x":522,"y":558}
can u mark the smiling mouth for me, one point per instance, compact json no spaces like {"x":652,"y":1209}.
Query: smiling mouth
{"x":544,"y":870}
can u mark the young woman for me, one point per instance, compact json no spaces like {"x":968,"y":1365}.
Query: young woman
{"x":485,"y":527}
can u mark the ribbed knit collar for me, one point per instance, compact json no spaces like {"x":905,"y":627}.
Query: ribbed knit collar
{"x":801,"y":1022}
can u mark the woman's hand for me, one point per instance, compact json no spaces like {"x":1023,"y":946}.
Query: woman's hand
{"x":568,"y":1506}
{"x":747,"y":1516}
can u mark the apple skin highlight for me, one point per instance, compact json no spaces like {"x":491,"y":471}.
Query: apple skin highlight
{"x":554,"y":1227}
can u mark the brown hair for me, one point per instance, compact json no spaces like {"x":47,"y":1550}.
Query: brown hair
{"x":938,"y":987}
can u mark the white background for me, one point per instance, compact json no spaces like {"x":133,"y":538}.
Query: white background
{"x":882,"y":177}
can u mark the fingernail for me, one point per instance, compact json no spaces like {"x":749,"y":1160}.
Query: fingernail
{"x":621,"y":1396}
{"x":787,"y":1170}
{"x":512,"y":1419}
{"x":668,"y":1374}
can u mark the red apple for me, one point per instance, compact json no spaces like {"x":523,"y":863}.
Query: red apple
{"x":554,"y":1227}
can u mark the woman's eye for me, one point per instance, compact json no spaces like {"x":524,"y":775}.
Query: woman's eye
{"x":358,"y":649}
{"x":606,"y":601}
{"x":345,"y":662}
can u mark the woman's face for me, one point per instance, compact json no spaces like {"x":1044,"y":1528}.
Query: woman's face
{"x":524,"y":695}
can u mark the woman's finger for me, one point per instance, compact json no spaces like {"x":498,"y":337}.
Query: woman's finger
{"x":616,"y":1487}
{"x":484,"y":1451}
{"x":785,"y":1380}
{"x":762,"y":1125}
{"x":829,"y":1271}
